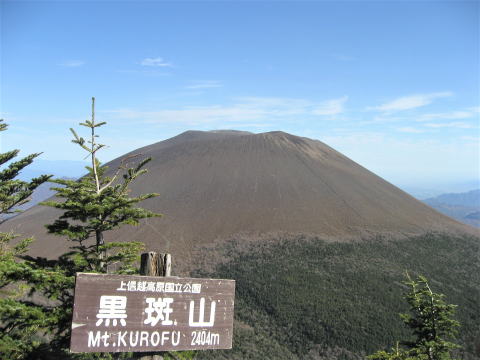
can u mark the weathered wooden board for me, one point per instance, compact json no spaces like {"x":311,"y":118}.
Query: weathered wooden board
{"x":122,"y":313}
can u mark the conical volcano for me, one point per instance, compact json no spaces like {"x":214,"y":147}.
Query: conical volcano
{"x":216,"y":184}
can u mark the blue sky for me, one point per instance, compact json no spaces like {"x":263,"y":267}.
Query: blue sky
{"x":392,"y":85}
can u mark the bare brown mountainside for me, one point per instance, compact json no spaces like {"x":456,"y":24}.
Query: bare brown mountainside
{"x":213,"y":185}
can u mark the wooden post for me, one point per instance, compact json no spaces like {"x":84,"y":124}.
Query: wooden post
{"x":152,"y":264}
{"x":155,"y":264}
{"x":167,"y":265}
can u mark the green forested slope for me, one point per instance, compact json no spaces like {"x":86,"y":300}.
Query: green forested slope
{"x":303,"y":297}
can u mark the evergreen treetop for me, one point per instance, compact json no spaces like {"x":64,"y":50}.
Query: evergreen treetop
{"x":431,"y":321}
{"x":15,"y":192}
{"x":432,"y":324}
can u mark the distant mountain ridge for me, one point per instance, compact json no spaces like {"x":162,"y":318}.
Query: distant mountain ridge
{"x":468,"y":199}
{"x":41,"y":193}
{"x":59,"y":168}
{"x":464,"y":207}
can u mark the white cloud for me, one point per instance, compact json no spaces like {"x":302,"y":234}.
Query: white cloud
{"x":258,"y":110}
{"x":274,"y":106}
{"x":410,"y":102}
{"x":155,"y":62}
{"x":410,"y":130}
{"x":474,"y":139}
{"x":205,"y":84}
{"x":458,"y":125}
{"x":386,"y":117}
{"x":399,"y":158}
{"x":448,"y":115}
{"x":331,"y":107}
{"x":383,"y":119}
{"x":194,"y":115}
{"x":72,"y":63}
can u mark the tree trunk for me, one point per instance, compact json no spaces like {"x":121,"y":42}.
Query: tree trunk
{"x":102,"y":254}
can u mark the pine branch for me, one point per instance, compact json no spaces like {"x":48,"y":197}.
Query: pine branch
{"x":117,"y":172}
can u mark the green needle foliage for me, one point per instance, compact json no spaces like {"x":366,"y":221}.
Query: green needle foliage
{"x":19,"y":322}
{"x":36,"y":313}
{"x":431,"y":321}
{"x":14,"y":192}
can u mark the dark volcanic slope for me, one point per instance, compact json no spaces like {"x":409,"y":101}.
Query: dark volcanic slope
{"x":215,"y":184}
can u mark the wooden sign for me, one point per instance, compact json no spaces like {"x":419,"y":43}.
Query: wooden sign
{"x":123,"y":313}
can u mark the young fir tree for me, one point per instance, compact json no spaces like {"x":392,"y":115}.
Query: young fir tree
{"x":19,"y":322}
{"x":98,"y":203}
{"x":432,"y":323}
{"x":431,"y":320}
